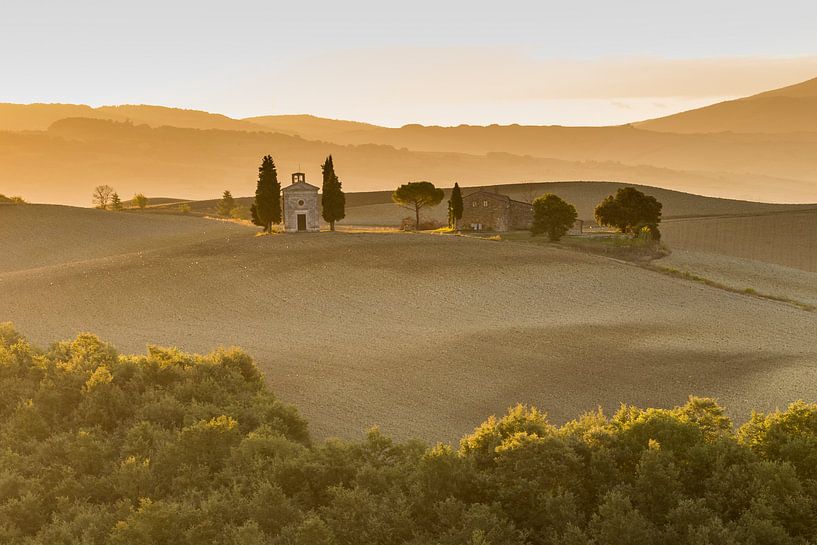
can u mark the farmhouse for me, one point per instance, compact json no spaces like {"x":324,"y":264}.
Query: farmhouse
{"x":300,"y":206}
{"x":490,"y":211}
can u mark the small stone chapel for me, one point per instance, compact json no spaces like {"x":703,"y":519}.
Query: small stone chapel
{"x":301,"y":209}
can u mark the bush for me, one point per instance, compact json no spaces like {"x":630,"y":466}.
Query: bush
{"x":11,"y":200}
{"x":168,"y":447}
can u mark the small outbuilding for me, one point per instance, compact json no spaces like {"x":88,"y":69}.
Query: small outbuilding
{"x":301,"y":208}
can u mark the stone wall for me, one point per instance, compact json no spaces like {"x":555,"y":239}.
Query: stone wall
{"x":521,"y":215}
{"x":485,"y":211}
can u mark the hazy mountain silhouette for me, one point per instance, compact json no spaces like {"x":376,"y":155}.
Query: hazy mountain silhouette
{"x":790,"y":109}
{"x":68,"y":149}
{"x":64,"y":163}
{"x":310,"y":127}
{"x":38,"y":117}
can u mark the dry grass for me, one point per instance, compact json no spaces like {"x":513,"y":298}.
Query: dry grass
{"x":423,"y":335}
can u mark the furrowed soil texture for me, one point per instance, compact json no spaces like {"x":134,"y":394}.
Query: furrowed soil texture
{"x":420,"y":334}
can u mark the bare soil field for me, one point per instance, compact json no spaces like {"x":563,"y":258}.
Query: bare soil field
{"x":782,"y":238}
{"x":40,"y":235}
{"x":745,"y":274}
{"x":420,"y":334}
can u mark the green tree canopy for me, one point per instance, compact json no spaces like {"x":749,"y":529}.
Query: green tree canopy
{"x":629,"y":210}
{"x":455,"y":206}
{"x":416,"y":196}
{"x":167,"y":447}
{"x":333,"y":200}
{"x":553,"y":216}
{"x":226,"y":205}
{"x":266,"y":209}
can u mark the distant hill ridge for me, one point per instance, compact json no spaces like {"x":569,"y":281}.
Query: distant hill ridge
{"x":786,"y":110}
{"x":761,"y":148}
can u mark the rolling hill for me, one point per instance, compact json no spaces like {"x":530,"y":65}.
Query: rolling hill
{"x":788,"y":110}
{"x":64,"y":163}
{"x":39,"y":117}
{"x":58,"y":153}
{"x":353,"y":328}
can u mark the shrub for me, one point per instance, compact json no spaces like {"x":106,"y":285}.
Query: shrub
{"x":169,"y":447}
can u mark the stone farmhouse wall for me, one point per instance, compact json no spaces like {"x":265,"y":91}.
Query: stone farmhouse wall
{"x":521,"y":215}
{"x":487,"y":211}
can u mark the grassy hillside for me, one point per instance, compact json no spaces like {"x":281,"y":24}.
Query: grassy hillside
{"x":353,"y":328}
{"x":787,"y":110}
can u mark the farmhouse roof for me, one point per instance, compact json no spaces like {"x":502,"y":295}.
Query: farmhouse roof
{"x":495,"y":195}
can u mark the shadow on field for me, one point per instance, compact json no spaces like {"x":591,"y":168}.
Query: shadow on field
{"x":567,"y":370}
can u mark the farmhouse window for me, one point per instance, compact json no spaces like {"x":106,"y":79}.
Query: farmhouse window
{"x":474,"y":204}
{"x":485,"y":204}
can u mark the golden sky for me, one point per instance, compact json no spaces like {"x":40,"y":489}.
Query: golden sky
{"x":546,"y":62}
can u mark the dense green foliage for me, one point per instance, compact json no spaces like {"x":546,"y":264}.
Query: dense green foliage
{"x":416,"y":196}
{"x":266,"y":209}
{"x":333,"y":201}
{"x":553,"y":216}
{"x":630,"y":211}
{"x":455,"y":206}
{"x":171,"y":448}
{"x":226,"y":205}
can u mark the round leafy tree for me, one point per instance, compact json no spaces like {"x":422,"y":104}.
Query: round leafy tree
{"x":553,"y":216}
{"x":629,"y":211}
{"x":417,"y":195}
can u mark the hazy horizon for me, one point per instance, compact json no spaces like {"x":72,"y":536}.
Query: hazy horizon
{"x":589,"y":63}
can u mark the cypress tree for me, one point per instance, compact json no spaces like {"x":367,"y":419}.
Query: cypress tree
{"x":226,"y":204}
{"x":333,"y":200}
{"x":266,"y":209}
{"x":116,"y":202}
{"x":455,"y":205}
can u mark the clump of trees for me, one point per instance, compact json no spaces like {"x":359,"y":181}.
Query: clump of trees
{"x":173,"y":448}
{"x":552,"y":216}
{"x":11,"y":200}
{"x":631,"y":211}
{"x":116,"y":202}
{"x":417,"y":195}
{"x":140,"y":201}
{"x":266,"y":209}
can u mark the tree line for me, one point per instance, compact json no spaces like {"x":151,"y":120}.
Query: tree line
{"x":105,"y":197}
{"x":630,"y":211}
{"x":173,"y":448}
